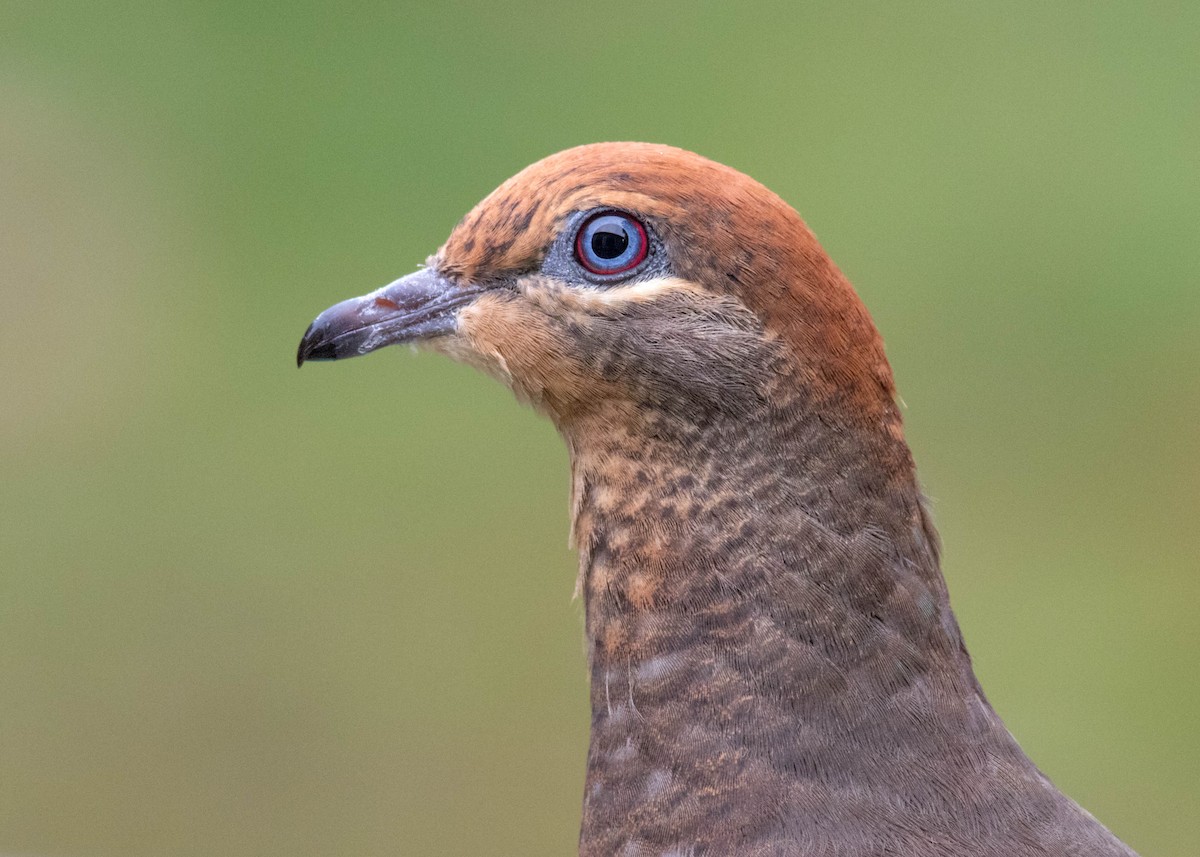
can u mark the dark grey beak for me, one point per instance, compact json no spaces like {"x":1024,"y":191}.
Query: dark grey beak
{"x":420,"y":306}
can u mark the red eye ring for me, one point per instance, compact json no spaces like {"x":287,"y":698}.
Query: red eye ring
{"x":610,"y":243}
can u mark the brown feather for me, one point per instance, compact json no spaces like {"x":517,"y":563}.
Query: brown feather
{"x":775,"y":667}
{"x":731,"y":235}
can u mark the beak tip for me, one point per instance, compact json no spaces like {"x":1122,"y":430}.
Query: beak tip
{"x":302,"y":351}
{"x":315,"y":346}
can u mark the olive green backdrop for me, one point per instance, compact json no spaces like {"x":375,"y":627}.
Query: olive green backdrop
{"x":246,"y":610}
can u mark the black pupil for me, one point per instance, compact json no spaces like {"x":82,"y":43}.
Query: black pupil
{"x":609,"y":245}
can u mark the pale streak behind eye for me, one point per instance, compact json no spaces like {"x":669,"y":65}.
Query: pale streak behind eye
{"x":638,"y":292}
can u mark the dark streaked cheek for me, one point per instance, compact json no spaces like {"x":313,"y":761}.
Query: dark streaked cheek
{"x":663,"y":344}
{"x":674,"y":356}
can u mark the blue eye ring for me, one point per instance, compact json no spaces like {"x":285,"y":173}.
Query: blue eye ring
{"x":610,"y":243}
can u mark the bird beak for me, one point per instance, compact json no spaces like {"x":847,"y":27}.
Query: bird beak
{"x":420,"y":306}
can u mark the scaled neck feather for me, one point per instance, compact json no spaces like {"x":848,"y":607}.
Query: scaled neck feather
{"x":769,"y":631}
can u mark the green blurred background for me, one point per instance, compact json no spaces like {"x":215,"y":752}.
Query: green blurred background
{"x":246,"y":610}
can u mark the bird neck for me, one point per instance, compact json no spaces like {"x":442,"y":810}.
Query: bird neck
{"x":764,"y":610}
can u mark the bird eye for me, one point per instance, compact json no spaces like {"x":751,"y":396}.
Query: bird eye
{"x":610,"y":243}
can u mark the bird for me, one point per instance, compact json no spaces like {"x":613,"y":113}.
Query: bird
{"x":775,"y":668}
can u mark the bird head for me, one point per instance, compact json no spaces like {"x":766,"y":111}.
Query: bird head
{"x":632,"y":276}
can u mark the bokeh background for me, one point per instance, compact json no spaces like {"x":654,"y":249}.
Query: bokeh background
{"x":246,"y":610}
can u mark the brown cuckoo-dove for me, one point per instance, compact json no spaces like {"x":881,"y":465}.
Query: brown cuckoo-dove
{"x":775,"y":667}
